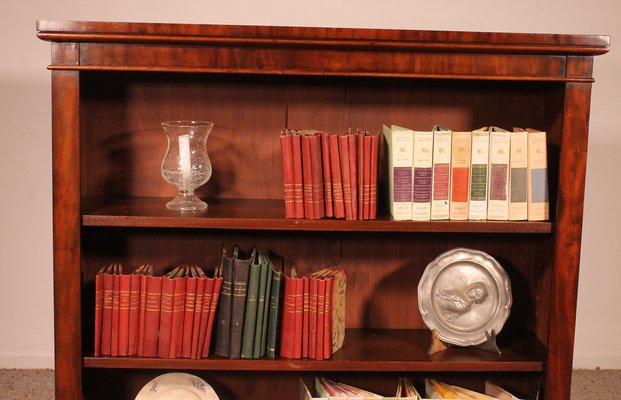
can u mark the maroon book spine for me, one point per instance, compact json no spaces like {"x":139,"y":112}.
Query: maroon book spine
{"x":337,"y":180}
{"x":327,"y":176}
{"x":152,"y":316}
{"x":366,"y":186}
{"x":116,"y":308}
{"x":288,"y":318}
{"x":188,"y":316}
{"x":345,"y":174}
{"x":212,"y":313}
{"x":198,"y":314}
{"x":373,"y":179}
{"x":98,"y":312}
{"x":178,"y":312}
{"x":134,"y":314}
{"x":287,"y":170}
{"x":168,"y":294}
{"x":298,"y":181}
{"x":353,"y":172}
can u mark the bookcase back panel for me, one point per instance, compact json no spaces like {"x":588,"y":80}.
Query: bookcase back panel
{"x":123,"y":143}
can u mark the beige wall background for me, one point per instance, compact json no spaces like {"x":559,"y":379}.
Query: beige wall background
{"x":26,"y":301}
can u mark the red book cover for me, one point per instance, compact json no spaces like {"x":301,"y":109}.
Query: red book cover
{"x":198,"y":312}
{"x":298,"y":189}
{"x":116,"y":308}
{"x":327,"y":176}
{"x":125,"y":291}
{"x":366,"y":178}
{"x":353,"y":173}
{"x":374,"y":167}
{"x":305,"y":314}
{"x":317,"y":166}
{"x":299,"y":320}
{"x":176,"y":333}
{"x":360,"y":160}
{"x":287,"y":171}
{"x":337,"y":181}
{"x":312,"y":335}
{"x":327,"y":324}
{"x":134,"y":311}
{"x":99,"y":295}
{"x":212,"y":314}
{"x":106,"y":317}
{"x":307,"y":177}
{"x":143,"y":308}
{"x":345,"y":175}
{"x":321,"y":310}
{"x":152,"y":316}
{"x":188,"y":310}
{"x":166,"y":311}
{"x":288,"y":318}
{"x":205,"y":314}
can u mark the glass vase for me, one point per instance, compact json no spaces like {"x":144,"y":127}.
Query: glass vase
{"x":186,"y":164}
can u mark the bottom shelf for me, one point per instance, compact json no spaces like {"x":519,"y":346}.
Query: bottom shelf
{"x":368,"y":350}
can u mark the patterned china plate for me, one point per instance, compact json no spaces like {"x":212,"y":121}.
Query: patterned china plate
{"x":177,"y":386}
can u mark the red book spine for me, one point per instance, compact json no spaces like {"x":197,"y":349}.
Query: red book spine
{"x":106,"y":318}
{"x":307,"y":177}
{"x":327,"y":325}
{"x":205,"y":314}
{"x":360,"y":168}
{"x":188,"y":317}
{"x":337,"y":181}
{"x":345,"y":175}
{"x":317,"y":166}
{"x":168,"y":294}
{"x":125,"y":292}
{"x":353,"y":172}
{"x":305,"y":314}
{"x":366,"y":186}
{"x":299,"y":318}
{"x":312,"y":336}
{"x":288,"y":318}
{"x":176,"y":333}
{"x":327,"y":176}
{"x":142,"y":314}
{"x":287,"y":170}
{"x":373,"y":180}
{"x":134,"y":314}
{"x":198,"y":313}
{"x":116,"y":308}
{"x":152,"y":316}
{"x":212,"y":314}
{"x":321,"y":310}
{"x":98,"y":312}
{"x":298,"y":189}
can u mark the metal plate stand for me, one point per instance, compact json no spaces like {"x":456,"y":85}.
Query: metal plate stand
{"x":438,"y":345}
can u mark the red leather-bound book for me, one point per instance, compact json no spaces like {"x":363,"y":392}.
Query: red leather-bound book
{"x":305,"y":314}
{"x":298,"y":188}
{"x":288,"y":318}
{"x":312,"y":334}
{"x":337,"y":180}
{"x":307,"y":177}
{"x":134,"y":310}
{"x":287,"y":173}
{"x":299,"y":318}
{"x":152,"y":315}
{"x":366,"y":186}
{"x":205,"y":314}
{"x":166,"y":314}
{"x":198,"y":311}
{"x":373,"y":180}
{"x":124,"y":296}
{"x":360,"y":169}
{"x":327,"y":324}
{"x":321,"y":311}
{"x":176,"y":333}
{"x":317,"y":166}
{"x":353,"y":172}
{"x":99,"y":306}
{"x":188,"y":311}
{"x":345,"y":175}
{"x":116,"y":309}
{"x":147,"y":271}
{"x":212,"y":313}
{"x":327,"y":175}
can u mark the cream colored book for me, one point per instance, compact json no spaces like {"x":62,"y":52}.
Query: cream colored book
{"x":497,"y":392}
{"x":305,"y":393}
{"x":538,"y":202}
{"x":422,"y":175}
{"x":399,"y":143}
{"x":441,"y":174}
{"x":518,"y":171}
{"x":479,"y":174}
{"x":498,"y":187}
{"x":460,"y":175}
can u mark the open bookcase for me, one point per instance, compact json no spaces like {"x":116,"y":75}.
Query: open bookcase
{"x":112,"y":84}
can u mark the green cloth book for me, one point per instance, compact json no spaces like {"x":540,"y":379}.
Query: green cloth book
{"x":250,"y":317}
{"x":265,"y":285}
{"x":272,"y":322}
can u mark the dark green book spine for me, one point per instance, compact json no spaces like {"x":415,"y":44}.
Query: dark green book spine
{"x":250,"y":317}
{"x":223,"y":331}
{"x":241,"y":270}
{"x":261,"y":320}
{"x":272,"y":324}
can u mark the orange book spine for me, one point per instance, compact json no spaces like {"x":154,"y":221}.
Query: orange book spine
{"x":327,"y":324}
{"x":188,"y":316}
{"x":212,"y":313}
{"x":168,"y":294}
{"x":287,"y":170}
{"x":197,"y":317}
{"x":337,"y":180}
{"x":353,"y":173}
{"x":327,"y":176}
{"x":178,"y":312}
{"x":298,"y":181}
{"x":373,"y":179}
{"x":321,"y":311}
{"x":345,"y":175}
{"x":116,"y":308}
{"x":134,"y":314}
{"x":98,"y":312}
{"x":205,"y":314}
{"x":366,"y":177}
{"x":106,"y":317}
{"x":152,"y":316}
{"x":288,"y":318}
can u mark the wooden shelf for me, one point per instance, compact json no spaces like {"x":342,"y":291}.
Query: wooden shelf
{"x":151,"y":212}
{"x":365,"y":350}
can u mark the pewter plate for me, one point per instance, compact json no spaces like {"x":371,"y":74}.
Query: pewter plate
{"x":464,"y":295}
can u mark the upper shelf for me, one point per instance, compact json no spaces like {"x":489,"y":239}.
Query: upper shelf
{"x":269,"y":215}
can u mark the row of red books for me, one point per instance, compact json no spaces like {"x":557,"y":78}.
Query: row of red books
{"x":329,"y":174}
{"x":169,"y":316}
{"x":313,"y":322}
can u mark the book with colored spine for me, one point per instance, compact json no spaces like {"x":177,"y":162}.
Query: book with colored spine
{"x":441,"y":173}
{"x":479,"y":178}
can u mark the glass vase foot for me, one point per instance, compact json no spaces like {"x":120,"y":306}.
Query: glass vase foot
{"x":186,"y":202}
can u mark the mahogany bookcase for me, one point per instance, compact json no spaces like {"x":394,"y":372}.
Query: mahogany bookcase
{"x":112,"y":84}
